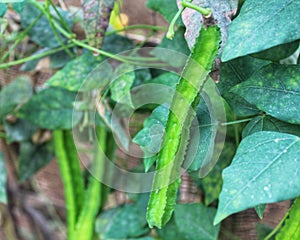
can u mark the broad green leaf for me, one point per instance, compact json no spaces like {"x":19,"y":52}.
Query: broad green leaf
{"x":14,"y":94}
{"x":19,"y":5}
{"x":167,"y":8}
{"x":274,"y":89}
{"x":51,"y":108}
{"x":142,"y":76}
{"x":151,"y":136}
{"x":3,"y":179}
{"x":177,"y":45}
{"x":18,"y":131}
{"x":291,"y":228}
{"x":120,"y":87}
{"x":191,"y":222}
{"x":123,"y":222}
{"x":264,"y":170}
{"x":33,"y":158}
{"x":42,"y":33}
{"x":278,"y":52}
{"x":233,"y":73}
{"x":260,"y":210}
{"x":82,"y":74}
{"x":268,"y":123}
{"x":169,"y":79}
{"x":212,"y":183}
{"x":262,"y":25}
{"x":3,"y":9}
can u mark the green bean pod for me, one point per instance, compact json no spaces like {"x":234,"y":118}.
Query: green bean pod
{"x":167,"y":177}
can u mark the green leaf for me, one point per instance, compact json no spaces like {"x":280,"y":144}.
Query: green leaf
{"x":127,"y":221}
{"x":177,"y":45}
{"x":260,"y":210}
{"x":19,"y":131}
{"x":291,"y":228}
{"x":278,"y":52}
{"x":3,"y":179}
{"x":41,"y":33}
{"x":116,"y":44}
{"x":167,"y":8}
{"x":233,"y":73}
{"x":191,"y":222}
{"x":51,"y":108}
{"x":169,"y":79}
{"x":33,"y":158}
{"x":262,"y":25}
{"x":264,"y":170}
{"x":14,"y":94}
{"x":82,"y":74}
{"x":3,"y":9}
{"x":151,"y":136}
{"x":142,"y":76}
{"x":120,"y":87}
{"x":19,"y":5}
{"x":268,"y":123}
{"x":207,"y":136}
{"x":212,"y":183}
{"x":274,"y":89}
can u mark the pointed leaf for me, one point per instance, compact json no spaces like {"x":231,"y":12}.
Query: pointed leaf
{"x":33,"y":158}
{"x":265,"y":169}
{"x":18,"y":92}
{"x":191,"y":222}
{"x":274,"y":89}
{"x":82,"y":74}
{"x":257,"y":24}
{"x":51,"y":108}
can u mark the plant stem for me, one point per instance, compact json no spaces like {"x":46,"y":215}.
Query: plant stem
{"x":275,"y":230}
{"x":206,"y":12}
{"x":33,"y":57}
{"x":138,"y":26}
{"x":236,"y":122}
{"x":53,"y":28}
{"x":20,"y":38}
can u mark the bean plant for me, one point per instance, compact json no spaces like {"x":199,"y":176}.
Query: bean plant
{"x":216,"y":100}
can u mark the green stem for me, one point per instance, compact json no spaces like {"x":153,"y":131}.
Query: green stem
{"x":53,"y":28}
{"x":86,"y":221}
{"x":171,"y":32}
{"x":206,"y":12}
{"x":276,"y":229}
{"x":236,"y":122}
{"x":138,"y":26}
{"x":33,"y":57}
{"x":61,"y":19}
{"x":20,"y":38}
{"x":66,"y":175}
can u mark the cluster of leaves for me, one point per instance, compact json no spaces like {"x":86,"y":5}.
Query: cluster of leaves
{"x":259,"y":81}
